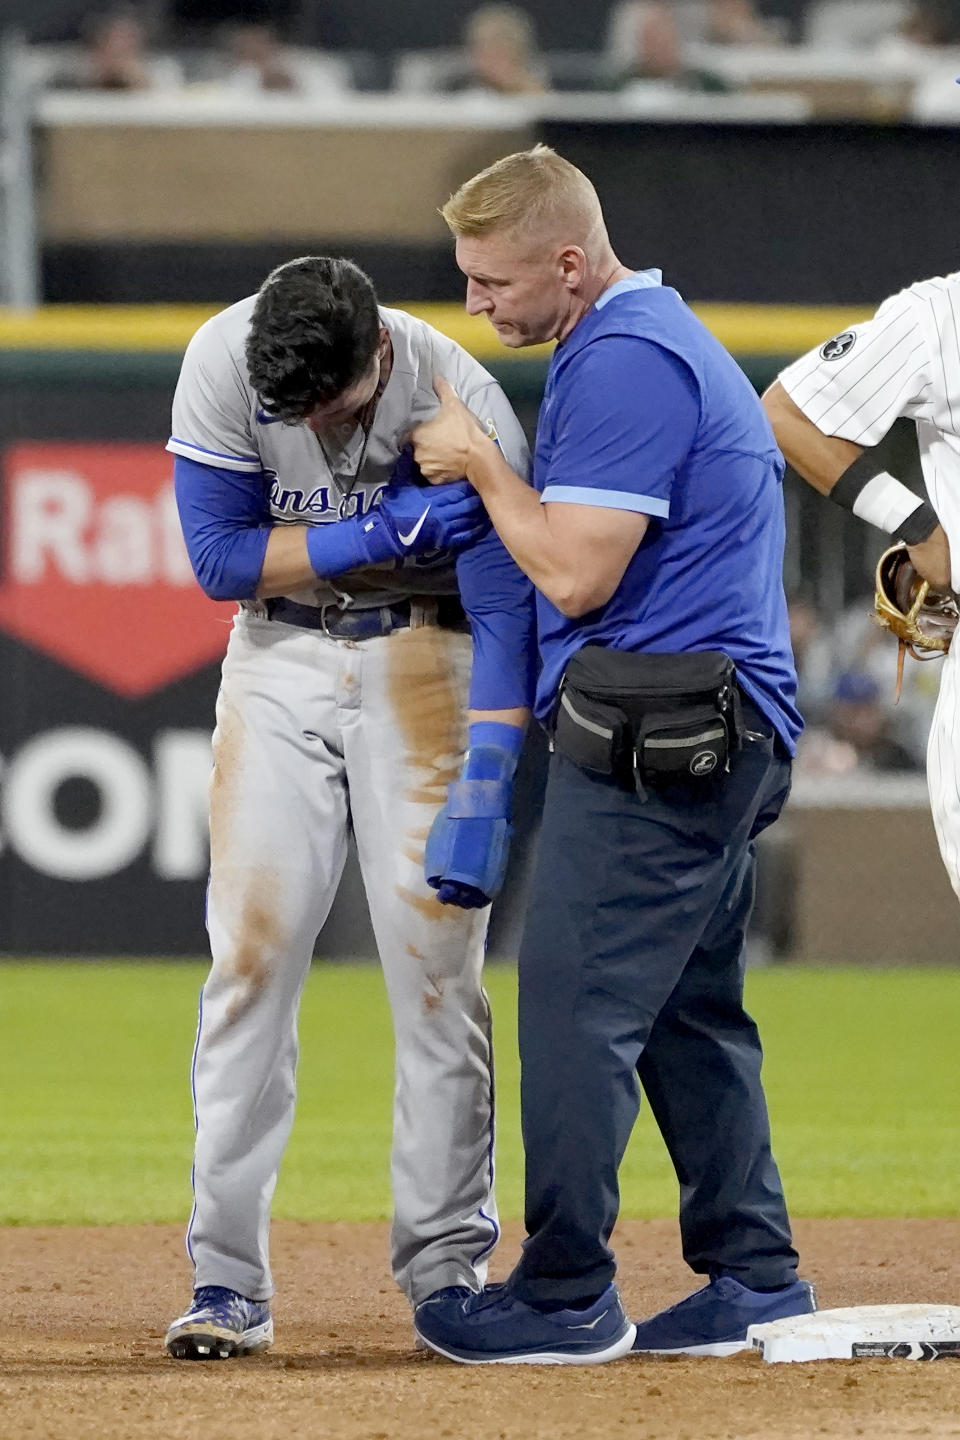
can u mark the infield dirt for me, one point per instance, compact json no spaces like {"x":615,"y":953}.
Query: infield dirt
{"x":85,"y":1311}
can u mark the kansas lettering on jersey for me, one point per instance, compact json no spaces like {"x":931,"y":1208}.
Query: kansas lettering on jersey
{"x":317,"y":506}
{"x":903,"y":362}
{"x":218,"y":420}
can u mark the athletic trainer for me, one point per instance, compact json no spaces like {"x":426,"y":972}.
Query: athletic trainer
{"x":654,"y":537}
{"x":373,"y":611}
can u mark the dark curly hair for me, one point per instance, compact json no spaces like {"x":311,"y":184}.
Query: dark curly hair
{"x":313,"y":333}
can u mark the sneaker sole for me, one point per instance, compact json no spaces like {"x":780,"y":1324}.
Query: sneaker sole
{"x":720,"y":1349}
{"x":212,"y":1342}
{"x":614,"y":1351}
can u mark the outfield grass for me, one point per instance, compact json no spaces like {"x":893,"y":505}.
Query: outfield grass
{"x":861,"y":1076}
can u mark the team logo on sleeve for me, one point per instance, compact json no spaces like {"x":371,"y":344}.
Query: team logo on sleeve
{"x":839,"y":346}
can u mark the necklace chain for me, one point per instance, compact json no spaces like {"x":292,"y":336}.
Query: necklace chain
{"x":365,"y":418}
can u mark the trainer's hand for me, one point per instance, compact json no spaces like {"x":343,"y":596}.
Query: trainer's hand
{"x":442,"y":446}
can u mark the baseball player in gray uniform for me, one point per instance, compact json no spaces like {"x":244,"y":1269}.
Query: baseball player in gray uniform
{"x":377,"y":620}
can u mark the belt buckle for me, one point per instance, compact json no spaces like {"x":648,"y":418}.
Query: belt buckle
{"x":328,"y":605}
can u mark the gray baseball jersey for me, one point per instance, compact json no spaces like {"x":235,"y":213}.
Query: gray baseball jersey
{"x":316,"y":738}
{"x":218,"y":420}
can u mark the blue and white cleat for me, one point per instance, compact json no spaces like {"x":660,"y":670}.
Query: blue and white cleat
{"x":219,"y":1324}
{"x":714,"y":1320}
{"x":495,"y":1328}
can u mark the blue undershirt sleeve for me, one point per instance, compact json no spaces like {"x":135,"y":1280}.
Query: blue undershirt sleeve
{"x":226,"y":526}
{"x":627,"y":413}
{"x":499,"y":602}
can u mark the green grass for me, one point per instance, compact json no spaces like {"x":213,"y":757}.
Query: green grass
{"x":861,"y":1076}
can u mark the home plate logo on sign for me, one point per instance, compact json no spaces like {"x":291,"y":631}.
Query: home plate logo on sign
{"x":94,"y":569}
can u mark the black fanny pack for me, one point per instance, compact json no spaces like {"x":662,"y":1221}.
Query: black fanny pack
{"x":649,"y":719}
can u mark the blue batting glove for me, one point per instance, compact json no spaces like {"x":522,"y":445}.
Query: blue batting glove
{"x":414,"y":519}
{"x":409,"y":520}
{"x":466,"y":852}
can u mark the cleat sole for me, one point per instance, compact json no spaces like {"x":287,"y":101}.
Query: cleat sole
{"x":210,"y":1343}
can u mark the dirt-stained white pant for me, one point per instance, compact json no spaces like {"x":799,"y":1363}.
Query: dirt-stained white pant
{"x":314,"y":734}
{"x":943,"y":765}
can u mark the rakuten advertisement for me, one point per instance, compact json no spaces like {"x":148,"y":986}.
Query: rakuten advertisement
{"x":109,"y":660}
{"x":95,"y":571}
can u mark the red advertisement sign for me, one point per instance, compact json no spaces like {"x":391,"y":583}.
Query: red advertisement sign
{"x":93,"y":568}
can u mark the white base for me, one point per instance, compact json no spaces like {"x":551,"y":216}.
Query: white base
{"x":898,"y":1332}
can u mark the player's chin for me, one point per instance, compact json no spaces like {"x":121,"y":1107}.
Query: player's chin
{"x":509,"y":335}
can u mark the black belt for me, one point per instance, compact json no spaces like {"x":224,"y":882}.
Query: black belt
{"x":342,"y":623}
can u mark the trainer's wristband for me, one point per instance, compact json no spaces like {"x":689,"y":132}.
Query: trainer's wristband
{"x":882,"y":500}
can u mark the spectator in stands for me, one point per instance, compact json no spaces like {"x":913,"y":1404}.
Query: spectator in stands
{"x":500,"y":51}
{"x":857,"y":734}
{"x":737,"y":22}
{"x":931,"y":27}
{"x":114,"y":55}
{"x":813,"y":653}
{"x":258,"y":61}
{"x":859,"y":646}
{"x":933,"y":23}
{"x":646,"y":44}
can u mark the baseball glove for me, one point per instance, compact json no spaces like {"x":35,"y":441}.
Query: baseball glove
{"x":923,"y":619}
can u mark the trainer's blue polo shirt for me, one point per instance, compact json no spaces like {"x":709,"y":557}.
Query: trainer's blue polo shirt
{"x":645,"y":411}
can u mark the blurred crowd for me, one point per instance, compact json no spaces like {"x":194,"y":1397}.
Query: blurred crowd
{"x":847,"y":670}
{"x":670,"y":44}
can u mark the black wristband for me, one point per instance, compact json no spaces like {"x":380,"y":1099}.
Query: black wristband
{"x":846,"y":490}
{"x":869,"y":490}
{"x":919,"y":525}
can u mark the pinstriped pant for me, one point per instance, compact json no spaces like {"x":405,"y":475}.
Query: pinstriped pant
{"x":943,"y":766}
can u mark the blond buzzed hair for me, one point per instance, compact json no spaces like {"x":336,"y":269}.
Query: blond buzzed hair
{"x":531,"y":190}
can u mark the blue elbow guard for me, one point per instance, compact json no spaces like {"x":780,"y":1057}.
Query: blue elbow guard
{"x":466,"y":852}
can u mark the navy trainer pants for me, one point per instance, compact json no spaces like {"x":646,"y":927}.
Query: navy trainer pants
{"x":631,"y":967}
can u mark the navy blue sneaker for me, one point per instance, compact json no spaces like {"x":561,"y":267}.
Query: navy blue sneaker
{"x":218,"y":1324}
{"x":714,"y":1320}
{"x":448,"y":1292}
{"x":495,"y":1328}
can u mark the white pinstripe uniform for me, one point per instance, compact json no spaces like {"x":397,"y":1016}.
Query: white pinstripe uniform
{"x":906,"y":362}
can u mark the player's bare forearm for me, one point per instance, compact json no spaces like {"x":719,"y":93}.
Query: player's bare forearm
{"x":820,"y":459}
{"x":932,"y":559}
{"x":286,"y":564}
{"x":518,"y":715}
